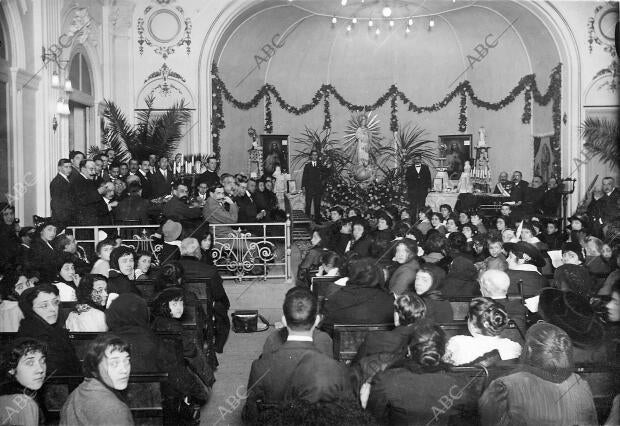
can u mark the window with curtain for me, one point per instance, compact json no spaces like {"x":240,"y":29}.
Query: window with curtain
{"x":81,"y":132}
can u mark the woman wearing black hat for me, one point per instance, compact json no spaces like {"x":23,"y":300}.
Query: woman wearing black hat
{"x":40,"y":307}
{"x":43,"y":256}
{"x":572,"y":275}
{"x":543,"y":390}
{"x":523,"y":262}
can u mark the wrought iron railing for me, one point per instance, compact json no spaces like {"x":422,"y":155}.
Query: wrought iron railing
{"x":263,"y":253}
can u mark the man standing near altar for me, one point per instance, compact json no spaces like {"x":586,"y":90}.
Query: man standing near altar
{"x":418,"y":184}
{"x":210,"y":176}
{"x":312,"y":184}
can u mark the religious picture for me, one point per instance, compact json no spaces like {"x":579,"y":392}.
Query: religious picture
{"x":542,"y":157}
{"x":458,"y":151}
{"x":275,"y":153}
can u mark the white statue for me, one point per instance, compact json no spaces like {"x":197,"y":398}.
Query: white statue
{"x":279,"y":186}
{"x":363,"y":142}
{"x":465,"y":184}
{"x":481,"y":137}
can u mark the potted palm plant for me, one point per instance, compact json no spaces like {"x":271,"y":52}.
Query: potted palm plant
{"x":155,"y":132}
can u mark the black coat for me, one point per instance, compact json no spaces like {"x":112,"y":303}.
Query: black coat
{"x":300,"y":371}
{"x":363,"y":246}
{"x":160,"y":185}
{"x":119,"y":283}
{"x":61,"y":357}
{"x":518,"y":192}
{"x":195,"y":268}
{"x":43,"y":259}
{"x":145,"y":183}
{"x":86,"y":200}
{"x":133,"y":208}
{"x":533,"y":282}
{"x":312,"y":179}
{"x":127,"y":317}
{"x":418,"y":184}
{"x":61,"y":202}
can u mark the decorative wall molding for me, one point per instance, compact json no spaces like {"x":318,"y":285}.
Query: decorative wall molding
{"x":164,"y":29}
{"x":168,"y":87}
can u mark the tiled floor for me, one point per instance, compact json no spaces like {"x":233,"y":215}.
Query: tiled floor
{"x":224,"y":407}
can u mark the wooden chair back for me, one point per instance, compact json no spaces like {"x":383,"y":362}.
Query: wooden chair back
{"x":348,"y":338}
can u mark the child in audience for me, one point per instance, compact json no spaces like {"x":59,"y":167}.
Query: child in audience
{"x":143,"y":263}
{"x":12,"y":286}
{"x":102,"y":265}
{"x":427,"y":281}
{"x":486,"y":320}
{"x":67,"y":280}
{"x":22,"y":369}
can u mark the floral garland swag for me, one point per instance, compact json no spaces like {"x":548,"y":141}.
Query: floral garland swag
{"x":526,"y":84}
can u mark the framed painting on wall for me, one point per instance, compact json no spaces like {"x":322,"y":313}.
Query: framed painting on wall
{"x":275,"y":153}
{"x":458,"y":150}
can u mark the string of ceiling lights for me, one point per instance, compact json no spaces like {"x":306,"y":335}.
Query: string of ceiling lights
{"x":386,"y":13}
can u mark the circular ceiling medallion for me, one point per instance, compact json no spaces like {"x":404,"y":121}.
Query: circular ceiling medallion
{"x":164,"y":26}
{"x":605,"y":25}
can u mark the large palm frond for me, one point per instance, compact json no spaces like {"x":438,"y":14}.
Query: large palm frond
{"x":168,"y":129}
{"x":143,"y":118}
{"x":601,"y":139}
{"x":408,"y":142}
{"x":330,"y":154}
{"x":120,"y":134}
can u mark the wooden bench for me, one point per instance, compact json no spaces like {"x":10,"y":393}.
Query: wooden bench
{"x":604,"y":381}
{"x":348,"y":338}
{"x":144,"y":394}
{"x":460,"y":305}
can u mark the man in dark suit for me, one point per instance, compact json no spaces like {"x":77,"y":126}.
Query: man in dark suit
{"x":60,"y":194}
{"x":519,"y":188}
{"x":312,"y":183}
{"x":297,"y":367}
{"x":145,"y":176}
{"x":248,"y":212}
{"x":161,"y":180}
{"x":210,"y":176}
{"x":418,"y":179}
{"x":177,"y":209}
{"x":85,"y":194}
{"x":194,"y":267}
{"x":524,"y":259}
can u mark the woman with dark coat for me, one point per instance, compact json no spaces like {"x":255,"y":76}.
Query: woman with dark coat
{"x":461,"y":279}
{"x":427,"y":281}
{"x":362,"y":242}
{"x":122,"y":271}
{"x":362,"y":300}
{"x":42,"y":256}
{"x":168,"y":308}
{"x":40,"y":307}
{"x":408,"y":392}
{"x":312,"y":260}
{"x":128,"y":318}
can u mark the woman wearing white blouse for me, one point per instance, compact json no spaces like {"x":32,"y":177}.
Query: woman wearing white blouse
{"x":486,"y":320}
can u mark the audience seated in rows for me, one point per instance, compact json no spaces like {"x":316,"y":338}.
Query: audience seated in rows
{"x":88,"y":313}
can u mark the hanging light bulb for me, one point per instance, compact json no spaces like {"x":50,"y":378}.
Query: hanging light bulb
{"x":386,"y":11}
{"x":354,"y":20}
{"x":334,"y":20}
{"x":370,"y":23}
{"x":391,"y":23}
{"x":343,"y":2}
{"x":407,"y":30}
{"x":349,"y":28}
{"x":55,"y":80}
{"x":68,"y":86}
{"x":59,"y":106}
{"x":431,"y":23}
{"x":378,"y":31}
{"x":410,"y":22}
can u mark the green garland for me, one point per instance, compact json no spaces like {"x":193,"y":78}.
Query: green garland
{"x":527,"y":84}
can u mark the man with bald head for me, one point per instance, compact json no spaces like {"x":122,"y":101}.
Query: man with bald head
{"x":503,"y":186}
{"x":494,"y":284}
